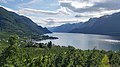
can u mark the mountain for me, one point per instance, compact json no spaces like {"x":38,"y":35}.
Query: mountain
{"x":11,"y":22}
{"x":108,"y":25}
{"x":65,"y":27}
{"x":46,"y":30}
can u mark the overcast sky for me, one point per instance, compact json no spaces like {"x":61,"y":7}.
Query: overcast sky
{"x":56,"y":12}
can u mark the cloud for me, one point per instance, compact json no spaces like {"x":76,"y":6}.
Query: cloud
{"x":96,"y":13}
{"x":57,"y":12}
{"x":90,"y":5}
{"x":35,"y":11}
{"x":91,"y":8}
{"x":45,"y":22}
{"x":62,"y":10}
{"x":50,"y":5}
{"x":52,"y":21}
{"x":76,"y":4}
{"x":59,"y":21}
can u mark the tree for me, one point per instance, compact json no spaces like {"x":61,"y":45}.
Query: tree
{"x":40,"y":45}
{"x":10,"y":51}
{"x":49,"y":45}
{"x":105,"y":62}
{"x":13,"y":40}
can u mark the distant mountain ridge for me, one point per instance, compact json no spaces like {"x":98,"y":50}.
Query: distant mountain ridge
{"x":108,"y":25}
{"x":13,"y":23}
{"x":65,"y":27}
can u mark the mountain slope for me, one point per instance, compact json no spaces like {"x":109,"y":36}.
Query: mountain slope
{"x":13,"y":23}
{"x":109,"y":24}
{"x":65,"y":27}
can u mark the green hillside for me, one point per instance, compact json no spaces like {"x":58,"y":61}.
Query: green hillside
{"x":12,"y":23}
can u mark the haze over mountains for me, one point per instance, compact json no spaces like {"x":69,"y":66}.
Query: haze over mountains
{"x":108,"y":24}
{"x":11,"y":22}
{"x":65,"y":27}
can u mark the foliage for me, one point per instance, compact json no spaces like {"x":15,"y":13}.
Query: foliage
{"x":105,"y":62}
{"x":13,"y":40}
{"x":58,"y":56}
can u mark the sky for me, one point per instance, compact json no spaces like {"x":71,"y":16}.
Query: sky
{"x":49,"y":13}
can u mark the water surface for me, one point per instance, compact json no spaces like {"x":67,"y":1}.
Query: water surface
{"x":85,"y":41}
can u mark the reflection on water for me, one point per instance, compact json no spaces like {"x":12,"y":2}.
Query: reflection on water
{"x":112,"y":41}
{"x":85,"y":41}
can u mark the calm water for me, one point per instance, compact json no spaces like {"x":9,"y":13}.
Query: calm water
{"x":85,"y":41}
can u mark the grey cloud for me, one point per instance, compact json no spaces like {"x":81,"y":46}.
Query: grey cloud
{"x":68,"y":5}
{"x":110,"y":5}
{"x":107,"y":5}
{"x":100,"y":8}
